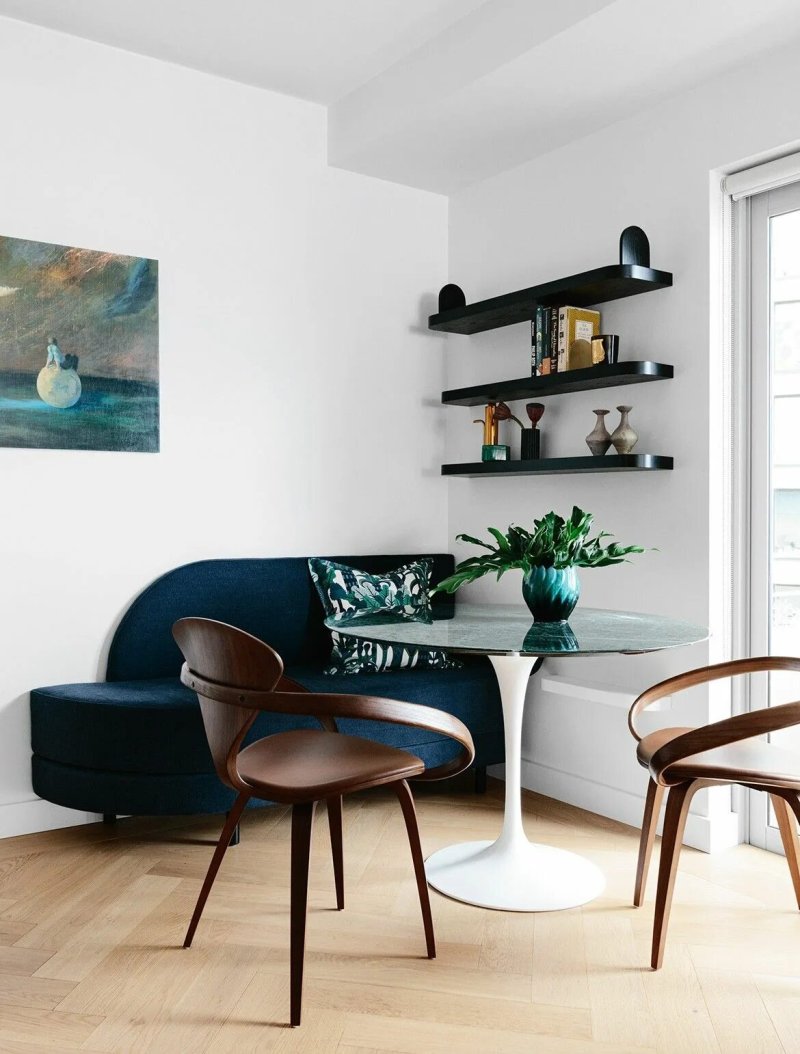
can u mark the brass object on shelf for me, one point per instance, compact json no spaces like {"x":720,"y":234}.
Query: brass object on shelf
{"x":491,"y":428}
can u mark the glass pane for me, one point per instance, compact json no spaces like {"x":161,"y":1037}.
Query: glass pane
{"x":784,"y":585}
{"x":786,"y":320}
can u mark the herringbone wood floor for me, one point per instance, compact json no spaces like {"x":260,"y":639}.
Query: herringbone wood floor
{"x":92,"y":919}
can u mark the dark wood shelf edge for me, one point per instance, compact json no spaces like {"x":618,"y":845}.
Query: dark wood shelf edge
{"x":597,"y":286}
{"x":589,"y":379}
{"x":563,"y":465}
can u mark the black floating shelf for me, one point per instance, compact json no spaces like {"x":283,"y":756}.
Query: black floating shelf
{"x":585,"y":380}
{"x":561,"y":465}
{"x":579,"y":290}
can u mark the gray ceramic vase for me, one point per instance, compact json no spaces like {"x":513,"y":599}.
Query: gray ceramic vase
{"x":599,"y":439}
{"x":623,"y":437}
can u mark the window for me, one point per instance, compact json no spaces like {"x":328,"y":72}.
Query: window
{"x":770,"y":366}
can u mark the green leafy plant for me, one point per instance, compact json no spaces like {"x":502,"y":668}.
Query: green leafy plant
{"x":553,"y":542}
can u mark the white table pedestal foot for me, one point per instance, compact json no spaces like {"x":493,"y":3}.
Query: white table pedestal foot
{"x":513,"y":874}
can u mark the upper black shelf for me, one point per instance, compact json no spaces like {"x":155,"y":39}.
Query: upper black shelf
{"x":559,"y":383}
{"x":579,"y":290}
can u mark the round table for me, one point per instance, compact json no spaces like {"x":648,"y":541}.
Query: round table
{"x":511,"y":873}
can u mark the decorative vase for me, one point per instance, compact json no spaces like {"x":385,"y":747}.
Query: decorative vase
{"x":551,"y":594}
{"x":623,"y":437}
{"x":599,"y":439}
{"x":530,"y":444}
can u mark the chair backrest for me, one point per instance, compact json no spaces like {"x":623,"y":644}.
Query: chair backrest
{"x":235,"y":660}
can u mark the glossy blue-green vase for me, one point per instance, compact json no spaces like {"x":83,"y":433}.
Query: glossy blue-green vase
{"x":551,"y":594}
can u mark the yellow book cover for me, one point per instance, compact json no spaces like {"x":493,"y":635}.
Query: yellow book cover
{"x":579,"y":326}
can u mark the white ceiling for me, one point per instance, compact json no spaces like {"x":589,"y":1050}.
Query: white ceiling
{"x":314,"y":49}
{"x":441,"y":93}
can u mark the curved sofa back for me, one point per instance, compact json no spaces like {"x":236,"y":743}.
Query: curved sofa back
{"x":274,"y":599}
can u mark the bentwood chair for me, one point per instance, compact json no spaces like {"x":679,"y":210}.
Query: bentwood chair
{"x":683,"y":760}
{"x":236,"y":676}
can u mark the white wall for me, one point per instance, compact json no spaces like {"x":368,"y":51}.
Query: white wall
{"x":298,"y":383}
{"x":559,"y":215}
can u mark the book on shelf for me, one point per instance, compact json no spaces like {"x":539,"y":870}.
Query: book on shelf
{"x":576,"y":327}
{"x":538,"y":334}
{"x":561,"y":339}
{"x":544,"y":362}
{"x":552,"y":340}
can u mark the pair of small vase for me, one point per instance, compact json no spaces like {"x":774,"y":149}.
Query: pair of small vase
{"x":623,"y":437}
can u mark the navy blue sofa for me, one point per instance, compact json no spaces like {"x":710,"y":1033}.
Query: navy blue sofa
{"x":134,"y":744}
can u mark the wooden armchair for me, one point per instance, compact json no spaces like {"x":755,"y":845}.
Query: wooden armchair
{"x":236,"y":676}
{"x":682,"y":760}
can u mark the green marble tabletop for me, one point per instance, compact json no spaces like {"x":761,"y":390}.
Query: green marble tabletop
{"x":503,"y":629}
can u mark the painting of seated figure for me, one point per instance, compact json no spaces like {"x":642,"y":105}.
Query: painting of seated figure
{"x":78,"y":348}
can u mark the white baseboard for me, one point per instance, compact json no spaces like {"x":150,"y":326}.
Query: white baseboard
{"x":31,"y":817}
{"x":702,"y":832}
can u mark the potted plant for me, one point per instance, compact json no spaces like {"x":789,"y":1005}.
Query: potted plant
{"x":548,"y":557}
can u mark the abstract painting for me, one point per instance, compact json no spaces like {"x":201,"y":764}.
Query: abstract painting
{"x":78,"y":348}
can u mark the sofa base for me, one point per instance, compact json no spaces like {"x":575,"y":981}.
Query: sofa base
{"x":131,"y":794}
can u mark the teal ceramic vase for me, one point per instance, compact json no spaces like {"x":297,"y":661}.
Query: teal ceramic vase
{"x":551,"y":594}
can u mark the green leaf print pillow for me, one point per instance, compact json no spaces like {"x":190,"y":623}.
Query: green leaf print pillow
{"x":402,"y":595}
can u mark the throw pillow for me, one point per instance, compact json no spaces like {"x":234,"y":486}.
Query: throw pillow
{"x":349,"y":594}
{"x":355,"y":655}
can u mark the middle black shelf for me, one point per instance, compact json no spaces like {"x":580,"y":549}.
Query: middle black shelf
{"x":605,"y":376}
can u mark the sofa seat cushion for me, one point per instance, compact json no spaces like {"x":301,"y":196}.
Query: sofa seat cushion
{"x":130,"y":726}
{"x":155,"y":726}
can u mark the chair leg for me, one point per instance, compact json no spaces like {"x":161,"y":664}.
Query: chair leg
{"x":678,"y":802}
{"x":302,"y":819}
{"x":652,"y":808}
{"x":231,"y":821}
{"x":335,"y":825}
{"x":787,"y":825}
{"x":403,"y":792}
{"x":236,"y":837}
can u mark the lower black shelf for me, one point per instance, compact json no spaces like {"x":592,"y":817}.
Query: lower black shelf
{"x":550,"y":466}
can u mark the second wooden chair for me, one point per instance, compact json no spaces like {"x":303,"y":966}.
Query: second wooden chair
{"x":683,"y":760}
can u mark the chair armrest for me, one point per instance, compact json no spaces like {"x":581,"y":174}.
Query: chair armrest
{"x":722,"y":733}
{"x":395,"y":711}
{"x":330,"y":705}
{"x":703,"y":675}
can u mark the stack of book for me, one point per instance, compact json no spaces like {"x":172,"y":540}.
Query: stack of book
{"x":561,"y":339}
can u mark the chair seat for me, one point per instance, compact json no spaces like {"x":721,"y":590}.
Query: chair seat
{"x":753,"y":762}
{"x":310,"y":764}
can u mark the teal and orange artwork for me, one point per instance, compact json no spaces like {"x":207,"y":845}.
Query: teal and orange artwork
{"x":78,"y":348}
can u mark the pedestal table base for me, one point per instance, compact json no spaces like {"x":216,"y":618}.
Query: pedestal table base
{"x":513,"y":874}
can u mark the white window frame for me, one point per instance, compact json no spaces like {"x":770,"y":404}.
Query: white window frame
{"x":750,"y":405}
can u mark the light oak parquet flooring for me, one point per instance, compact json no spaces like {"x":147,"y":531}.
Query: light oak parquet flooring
{"x":92,"y":921}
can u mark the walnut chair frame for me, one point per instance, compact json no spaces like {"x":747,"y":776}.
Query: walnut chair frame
{"x":237,"y":676}
{"x":681,"y":761}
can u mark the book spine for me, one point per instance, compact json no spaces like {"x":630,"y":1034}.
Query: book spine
{"x":537,"y":344}
{"x":553,"y":364}
{"x":563,"y":322}
{"x":544,"y":361}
